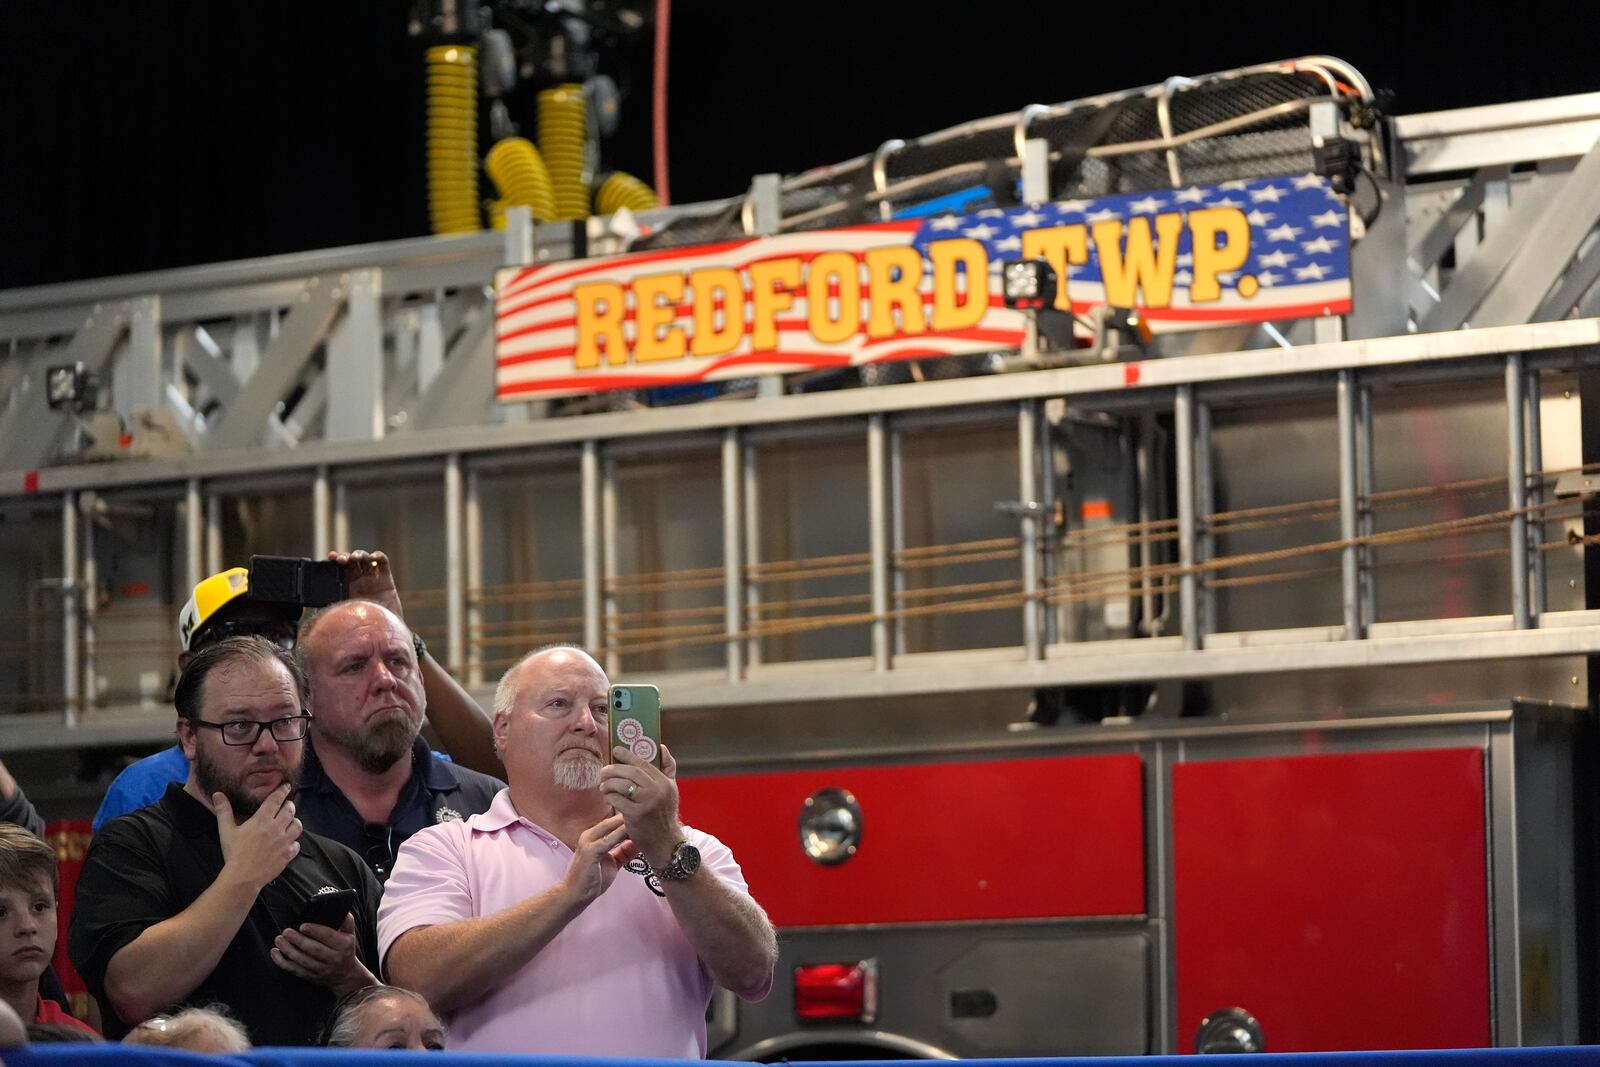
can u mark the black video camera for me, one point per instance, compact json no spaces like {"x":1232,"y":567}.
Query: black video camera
{"x":298,"y":582}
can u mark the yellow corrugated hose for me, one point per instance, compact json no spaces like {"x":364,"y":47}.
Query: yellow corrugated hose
{"x":520,"y":174}
{"x":624,"y":190}
{"x":564,"y":143}
{"x":453,"y":139}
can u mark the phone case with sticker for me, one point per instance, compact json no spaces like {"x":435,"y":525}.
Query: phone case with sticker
{"x":636,"y":720}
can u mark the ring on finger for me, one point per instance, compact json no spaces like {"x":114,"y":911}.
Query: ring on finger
{"x":633,"y":787}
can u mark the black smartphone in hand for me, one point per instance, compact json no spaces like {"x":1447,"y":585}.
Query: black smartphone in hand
{"x":328,"y":909}
{"x":293,"y":580}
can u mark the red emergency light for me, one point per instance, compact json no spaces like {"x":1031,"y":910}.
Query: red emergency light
{"x":836,"y":992}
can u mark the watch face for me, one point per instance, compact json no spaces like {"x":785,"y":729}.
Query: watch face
{"x":685,"y":861}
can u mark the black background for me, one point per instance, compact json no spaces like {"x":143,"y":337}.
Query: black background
{"x":137,"y":136}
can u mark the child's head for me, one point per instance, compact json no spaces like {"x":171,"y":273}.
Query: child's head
{"x":28,"y":881}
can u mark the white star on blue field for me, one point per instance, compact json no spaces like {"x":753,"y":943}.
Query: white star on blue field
{"x":1299,"y":228}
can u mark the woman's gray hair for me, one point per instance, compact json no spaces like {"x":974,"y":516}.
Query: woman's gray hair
{"x":344,"y":1025}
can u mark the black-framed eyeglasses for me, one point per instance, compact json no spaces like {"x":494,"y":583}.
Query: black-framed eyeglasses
{"x":248,"y":731}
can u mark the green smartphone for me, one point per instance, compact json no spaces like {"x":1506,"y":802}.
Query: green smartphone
{"x":636,"y":720}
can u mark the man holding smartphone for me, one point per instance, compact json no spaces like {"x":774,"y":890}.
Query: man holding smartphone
{"x":531,"y":928}
{"x":216,"y":893}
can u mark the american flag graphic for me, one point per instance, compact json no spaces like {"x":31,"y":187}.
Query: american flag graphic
{"x":1298,"y":266}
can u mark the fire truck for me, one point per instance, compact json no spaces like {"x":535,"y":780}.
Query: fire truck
{"x":1119,"y":573}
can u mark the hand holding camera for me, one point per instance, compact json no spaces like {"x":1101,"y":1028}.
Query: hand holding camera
{"x":308,"y":583}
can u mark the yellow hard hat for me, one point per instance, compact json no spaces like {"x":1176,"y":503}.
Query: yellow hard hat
{"x":209,"y":597}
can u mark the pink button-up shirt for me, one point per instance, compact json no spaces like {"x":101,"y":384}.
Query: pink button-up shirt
{"x":620,"y":980}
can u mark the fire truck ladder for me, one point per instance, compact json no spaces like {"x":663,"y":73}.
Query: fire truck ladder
{"x":286,"y":404}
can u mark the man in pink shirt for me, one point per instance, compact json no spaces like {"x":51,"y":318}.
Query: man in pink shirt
{"x":528,"y":928}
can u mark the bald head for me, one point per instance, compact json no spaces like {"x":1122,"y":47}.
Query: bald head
{"x":534,"y":666}
{"x":366,"y":686}
{"x":338,"y":615}
{"x":550,"y":721}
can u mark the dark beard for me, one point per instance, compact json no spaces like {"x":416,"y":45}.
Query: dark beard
{"x":381,"y":747}
{"x":211,"y":779}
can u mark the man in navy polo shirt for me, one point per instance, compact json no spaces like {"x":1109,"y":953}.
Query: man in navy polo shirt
{"x":369,"y":780}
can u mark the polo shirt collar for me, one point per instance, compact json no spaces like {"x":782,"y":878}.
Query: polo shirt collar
{"x":312,"y":776}
{"x":192,"y":818}
{"x":436,"y":777}
{"x":503,"y":814}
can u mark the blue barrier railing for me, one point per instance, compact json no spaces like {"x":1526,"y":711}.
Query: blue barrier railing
{"x":90,"y":1055}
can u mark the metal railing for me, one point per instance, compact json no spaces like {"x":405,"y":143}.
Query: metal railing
{"x":325,"y":366}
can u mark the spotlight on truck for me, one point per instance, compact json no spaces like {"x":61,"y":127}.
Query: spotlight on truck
{"x":1027,"y":284}
{"x":70,"y":387}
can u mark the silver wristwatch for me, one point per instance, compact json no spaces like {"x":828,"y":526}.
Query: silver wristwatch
{"x":685,"y":861}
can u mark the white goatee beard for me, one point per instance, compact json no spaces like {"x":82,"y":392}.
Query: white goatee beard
{"x":578,"y":772}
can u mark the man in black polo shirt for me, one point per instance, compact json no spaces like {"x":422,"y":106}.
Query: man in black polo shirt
{"x":198,"y":898}
{"x":370,"y":781}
